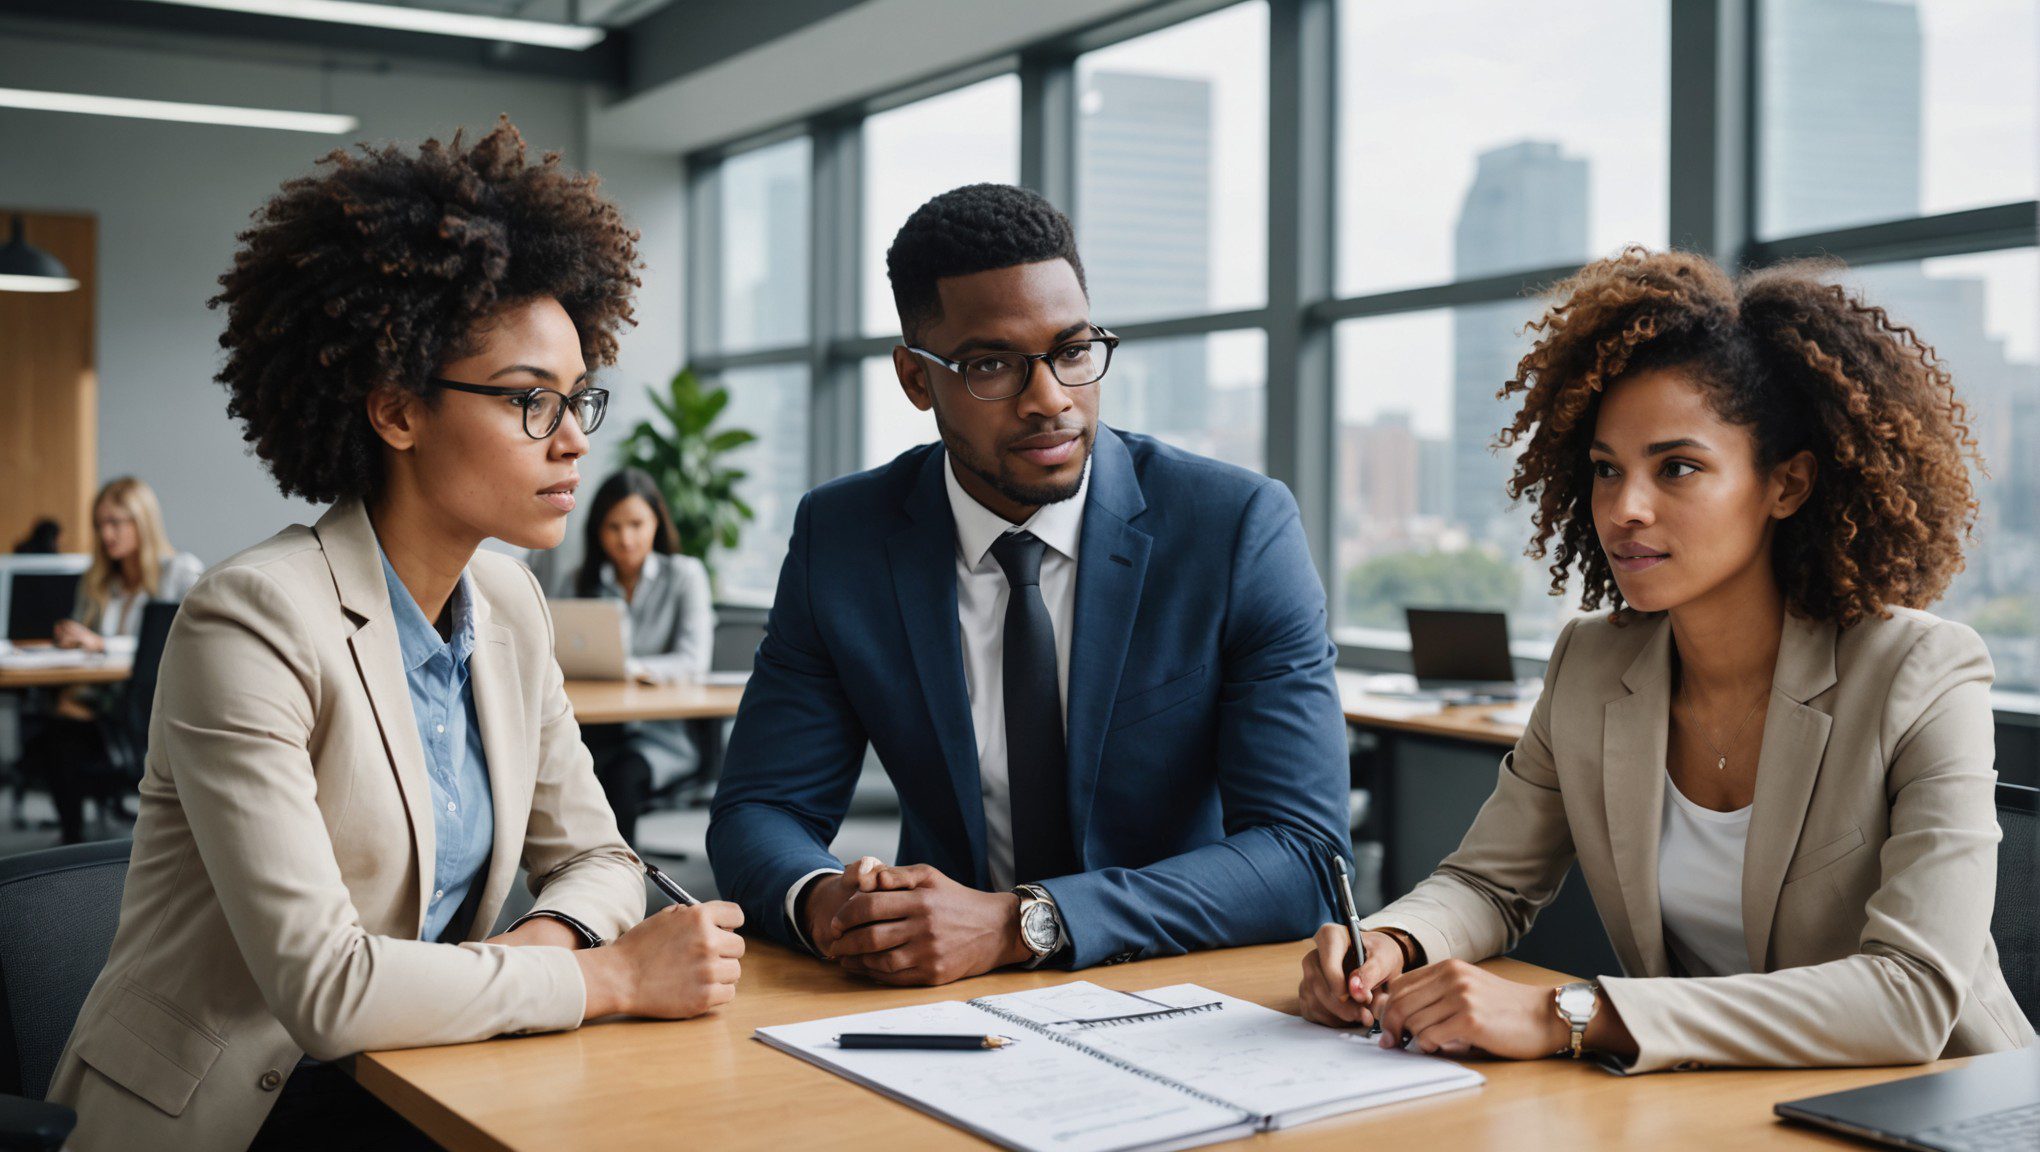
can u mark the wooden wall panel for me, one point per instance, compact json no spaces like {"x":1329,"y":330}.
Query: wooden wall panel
{"x":49,"y":389}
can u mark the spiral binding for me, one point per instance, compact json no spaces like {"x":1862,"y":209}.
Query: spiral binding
{"x":1116,"y":1062}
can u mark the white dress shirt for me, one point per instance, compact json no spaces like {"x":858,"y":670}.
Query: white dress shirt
{"x":981,"y":592}
{"x":1700,"y":867}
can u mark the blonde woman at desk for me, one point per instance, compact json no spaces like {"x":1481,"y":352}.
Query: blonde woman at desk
{"x":632,"y":553}
{"x":362,"y":735}
{"x":1774,"y":768}
{"x":132,"y":564}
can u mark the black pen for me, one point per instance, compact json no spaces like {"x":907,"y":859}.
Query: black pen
{"x":912,"y":1040}
{"x":1351,"y":912}
{"x":674,"y":891}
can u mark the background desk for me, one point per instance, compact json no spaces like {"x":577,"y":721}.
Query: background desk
{"x":109,"y":670}
{"x":1427,"y":775}
{"x":705,"y":1083}
{"x":619,"y":702}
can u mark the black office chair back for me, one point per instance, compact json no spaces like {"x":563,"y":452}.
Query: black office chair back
{"x":735,"y":646}
{"x":60,"y":907}
{"x":2015,"y":922}
{"x":127,"y":732}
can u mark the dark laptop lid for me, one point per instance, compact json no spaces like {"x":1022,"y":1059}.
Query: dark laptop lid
{"x":1455,"y":645}
{"x":1902,"y":1109}
{"x":37,"y":601}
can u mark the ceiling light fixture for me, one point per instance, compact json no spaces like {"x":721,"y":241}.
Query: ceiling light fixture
{"x":25,"y":268}
{"x":541,"y":33}
{"x":174,"y":110}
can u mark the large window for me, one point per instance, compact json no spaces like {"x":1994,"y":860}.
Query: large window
{"x":771,"y":401}
{"x":913,"y":153}
{"x":1319,"y":227}
{"x":1172,"y":162}
{"x":1878,"y":110}
{"x":764,"y":244}
{"x":1982,"y":316}
{"x":1203,"y":393}
{"x":1423,"y":518}
{"x":1478,"y":138}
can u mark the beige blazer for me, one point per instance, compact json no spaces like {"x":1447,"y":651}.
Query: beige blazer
{"x":283,"y":853}
{"x":1870,"y":869}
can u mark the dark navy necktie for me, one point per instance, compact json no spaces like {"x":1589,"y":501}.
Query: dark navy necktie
{"x":1037,"y":769}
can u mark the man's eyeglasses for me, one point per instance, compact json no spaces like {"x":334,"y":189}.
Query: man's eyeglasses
{"x":1004,"y":375}
{"x":543,"y":407}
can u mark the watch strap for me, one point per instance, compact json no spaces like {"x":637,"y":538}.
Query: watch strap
{"x":588,"y":937}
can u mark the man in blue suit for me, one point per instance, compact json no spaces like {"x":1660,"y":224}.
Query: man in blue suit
{"x":1094,"y":666}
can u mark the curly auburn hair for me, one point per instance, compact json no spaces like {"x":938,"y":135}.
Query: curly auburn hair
{"x":384,"y":266}
{"x":1803,"y":365}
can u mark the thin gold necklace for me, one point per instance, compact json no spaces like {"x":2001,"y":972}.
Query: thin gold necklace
{"x":1721,"y":758}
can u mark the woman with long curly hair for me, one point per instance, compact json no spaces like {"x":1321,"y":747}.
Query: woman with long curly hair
{"x":361,"y":733}
{"x":1773,"y":766}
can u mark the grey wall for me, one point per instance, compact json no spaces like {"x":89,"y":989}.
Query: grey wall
{"x":170,"y":197}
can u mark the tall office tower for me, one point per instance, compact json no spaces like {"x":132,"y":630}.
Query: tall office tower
{"x":1841,"y":122}
{"x":1144,"y":228}
{"x":1527,"y":208}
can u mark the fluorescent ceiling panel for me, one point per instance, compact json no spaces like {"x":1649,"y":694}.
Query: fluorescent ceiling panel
{"x":542,"y":33}
{"x":173,"y":110}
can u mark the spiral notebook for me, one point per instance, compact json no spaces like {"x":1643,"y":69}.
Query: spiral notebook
{"x":1098,"y":1070}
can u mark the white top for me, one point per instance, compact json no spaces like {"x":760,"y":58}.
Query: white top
{"x":981,"y":592}
{"x":1700,"y":864}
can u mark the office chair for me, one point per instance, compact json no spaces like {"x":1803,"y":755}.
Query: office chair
{"x":61,"y":906}
{"x":125,"y":726}
{"x":2015,"y":922}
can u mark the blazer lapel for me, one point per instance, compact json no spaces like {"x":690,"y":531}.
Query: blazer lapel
{"x":1634,"y":732}
{"x":493,"y":673}
{"x":1795,"y":740}
{"x":348,"y":540}
{"x":923,"y":560}
{"x":1111,"y":567}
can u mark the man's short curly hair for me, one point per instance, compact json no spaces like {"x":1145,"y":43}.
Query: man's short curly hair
{"x":975,"y":228}
{"x":385,"y":265}
{"x":1802,"y":363}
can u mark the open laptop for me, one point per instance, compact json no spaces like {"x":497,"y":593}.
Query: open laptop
{"x":591,"y":639}
{"x":1462,"y":654}
{"x":1990,"y":1103}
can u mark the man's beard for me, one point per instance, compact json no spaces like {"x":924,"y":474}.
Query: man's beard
{"x":1026,"y":495}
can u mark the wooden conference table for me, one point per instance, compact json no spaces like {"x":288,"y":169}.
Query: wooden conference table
{"x":705,"y":1083}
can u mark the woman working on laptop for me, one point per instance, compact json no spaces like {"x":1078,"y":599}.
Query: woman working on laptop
{"x":632,"y":553}
{"x":1774,"y":769}
{"x":361,"y":733}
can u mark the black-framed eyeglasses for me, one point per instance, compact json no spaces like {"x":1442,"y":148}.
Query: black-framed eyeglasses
{"x":1004,"y":375}
{"x":542,"y":407}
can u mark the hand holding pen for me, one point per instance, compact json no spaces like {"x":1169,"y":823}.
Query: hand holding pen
{"x":1346,"y":967}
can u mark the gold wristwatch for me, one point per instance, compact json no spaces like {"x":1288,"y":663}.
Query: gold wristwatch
{"x":1576,"y":1004}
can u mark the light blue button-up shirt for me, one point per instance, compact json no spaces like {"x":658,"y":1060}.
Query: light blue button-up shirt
{"x":442,"y":700}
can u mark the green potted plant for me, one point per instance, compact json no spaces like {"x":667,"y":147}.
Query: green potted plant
{"x":687,"y":458}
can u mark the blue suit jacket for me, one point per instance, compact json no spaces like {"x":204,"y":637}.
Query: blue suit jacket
{"x":1207,"y":750}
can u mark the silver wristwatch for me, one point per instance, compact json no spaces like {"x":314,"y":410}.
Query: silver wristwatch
{"x":1040,"y":923}
{"x":1576,"y":1004}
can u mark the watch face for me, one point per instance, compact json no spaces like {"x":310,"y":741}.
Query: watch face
{"x":1037,"y":925}
{"x":1576,"y":1000}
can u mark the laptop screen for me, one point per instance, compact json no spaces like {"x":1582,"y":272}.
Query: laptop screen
{"x":1459,"y":645}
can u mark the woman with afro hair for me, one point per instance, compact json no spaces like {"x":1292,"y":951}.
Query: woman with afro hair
{"x":1772,"y":765}
{"x":361,"y":733}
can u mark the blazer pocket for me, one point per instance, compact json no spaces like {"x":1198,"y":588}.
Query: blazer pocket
{"x":1814,"y":859}
{"x":150,"y":1048}
{"x":1141,"y":705}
